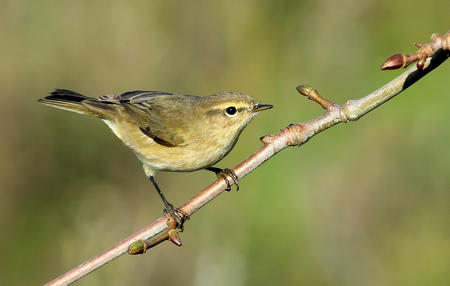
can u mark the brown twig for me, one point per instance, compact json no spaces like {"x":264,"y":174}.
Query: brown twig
{"x":293,"y":135}
{"x":425,"y":51}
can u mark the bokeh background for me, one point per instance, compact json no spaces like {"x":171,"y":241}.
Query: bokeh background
{"x":366,"y":203}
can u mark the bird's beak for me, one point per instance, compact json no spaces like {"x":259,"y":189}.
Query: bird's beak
{"x":261,"y":107}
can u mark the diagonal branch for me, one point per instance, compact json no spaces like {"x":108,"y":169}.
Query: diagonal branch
{"x":293,"y":135}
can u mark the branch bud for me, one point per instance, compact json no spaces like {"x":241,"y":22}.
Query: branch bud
{"x":137,"y":247}
{"x":394,"y":62}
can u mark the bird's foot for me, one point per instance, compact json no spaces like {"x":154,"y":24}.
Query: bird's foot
{"x":225,"y":173}
{"x":178,"y":215}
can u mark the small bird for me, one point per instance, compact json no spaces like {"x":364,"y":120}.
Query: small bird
{"x":169,"y":132}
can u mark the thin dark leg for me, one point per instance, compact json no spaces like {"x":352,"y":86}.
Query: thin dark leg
{"x":175,"y":213}
{"x":221,"y":173}
{"x":166,"y":203}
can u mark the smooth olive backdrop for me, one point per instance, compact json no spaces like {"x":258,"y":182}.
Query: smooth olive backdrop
{"x":366,"y":203}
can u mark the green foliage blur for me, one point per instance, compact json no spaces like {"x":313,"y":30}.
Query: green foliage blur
{"x":366,"y":203}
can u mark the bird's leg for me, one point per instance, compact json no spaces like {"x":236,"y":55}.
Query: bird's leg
{"x":179,"y":216}
{"x":222,"y":173}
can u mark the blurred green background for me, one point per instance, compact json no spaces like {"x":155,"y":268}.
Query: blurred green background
{"x":362,"y":204}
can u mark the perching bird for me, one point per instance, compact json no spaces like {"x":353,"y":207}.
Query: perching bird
{"x":169,"y":132}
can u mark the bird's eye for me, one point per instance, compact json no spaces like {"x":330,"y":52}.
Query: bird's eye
{"x":230,"y":111}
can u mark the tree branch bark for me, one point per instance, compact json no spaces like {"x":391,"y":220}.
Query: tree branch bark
{"x":292,"y":135}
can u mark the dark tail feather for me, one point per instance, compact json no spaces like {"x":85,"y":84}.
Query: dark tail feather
{"x":66,"y":95}
{"x":75,"y":102}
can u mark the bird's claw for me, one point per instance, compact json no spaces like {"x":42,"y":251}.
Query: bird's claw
{"x":178,"y":215}
{"x":232,"y":175}
{"x":222,"y":173}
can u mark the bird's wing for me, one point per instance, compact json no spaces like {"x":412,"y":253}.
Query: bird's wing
{"x":151,"y":112}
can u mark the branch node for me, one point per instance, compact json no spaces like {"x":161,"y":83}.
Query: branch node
{"x":443,"y":40}
{"x":343,"y":110}
{"x":141,"y":246}
{"x":293,"y":133}
{"x":350,"y":111}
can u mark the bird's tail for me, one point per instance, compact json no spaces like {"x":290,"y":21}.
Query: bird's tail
{"x":75,"y":102}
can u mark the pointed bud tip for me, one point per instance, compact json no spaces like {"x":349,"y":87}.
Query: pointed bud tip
{"x":174,"y":237}
{"x":393,"y":62}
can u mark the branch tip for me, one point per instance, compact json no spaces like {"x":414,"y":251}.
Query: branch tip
{"x":425,"y":50}
{"x":313,"y":95}
{"x":394,"y":62}
{"x":305,"y":89}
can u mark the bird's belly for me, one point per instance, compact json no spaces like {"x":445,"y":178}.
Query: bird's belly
{"x":181,"y":159}
{"x":186,"y":158}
